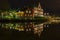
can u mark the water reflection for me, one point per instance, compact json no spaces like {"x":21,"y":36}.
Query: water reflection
{"x":31,"y":26}
{"x":34,"y":27}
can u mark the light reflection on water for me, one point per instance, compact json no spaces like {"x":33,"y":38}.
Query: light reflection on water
{"x":31,"y":26}
{"x":34,"y":27}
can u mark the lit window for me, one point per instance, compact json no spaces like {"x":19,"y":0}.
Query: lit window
{"x":26,"y":11}
{"x":28,"y":14}
{"x":29,"y":11}
{"x":29,"y":29}
{"x":25,"y":15}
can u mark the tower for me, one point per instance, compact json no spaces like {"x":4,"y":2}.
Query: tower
{"x":38,"y":11}
{"x":39,"y":6}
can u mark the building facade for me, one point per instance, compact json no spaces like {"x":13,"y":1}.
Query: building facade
{"x":38,"y":11}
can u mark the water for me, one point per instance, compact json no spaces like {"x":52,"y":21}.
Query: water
{"x":51,"y":33}
{"x":29,"y":31}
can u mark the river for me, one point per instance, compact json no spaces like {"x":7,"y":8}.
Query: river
{"x":29,"y":31}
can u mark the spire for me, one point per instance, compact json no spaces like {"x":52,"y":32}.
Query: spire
{"x":39,"y":6}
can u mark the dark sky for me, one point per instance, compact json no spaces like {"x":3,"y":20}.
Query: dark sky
{"x":49,"y":5}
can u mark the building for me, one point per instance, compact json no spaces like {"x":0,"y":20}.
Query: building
{"x":28,"y":13}
{"x":38,"y":11}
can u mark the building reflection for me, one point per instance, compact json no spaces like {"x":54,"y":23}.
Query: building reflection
{"x":26,"y":27}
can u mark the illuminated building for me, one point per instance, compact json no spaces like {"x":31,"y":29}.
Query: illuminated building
{"x":38,"y":11}
{"x":46,"y":14}
{"x":20,"y":13}
{"x":28,"y":13}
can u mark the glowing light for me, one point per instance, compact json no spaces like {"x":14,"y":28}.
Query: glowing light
{"x":26,"y":11}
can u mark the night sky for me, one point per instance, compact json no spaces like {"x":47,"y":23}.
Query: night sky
{"x":49,"y":5}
